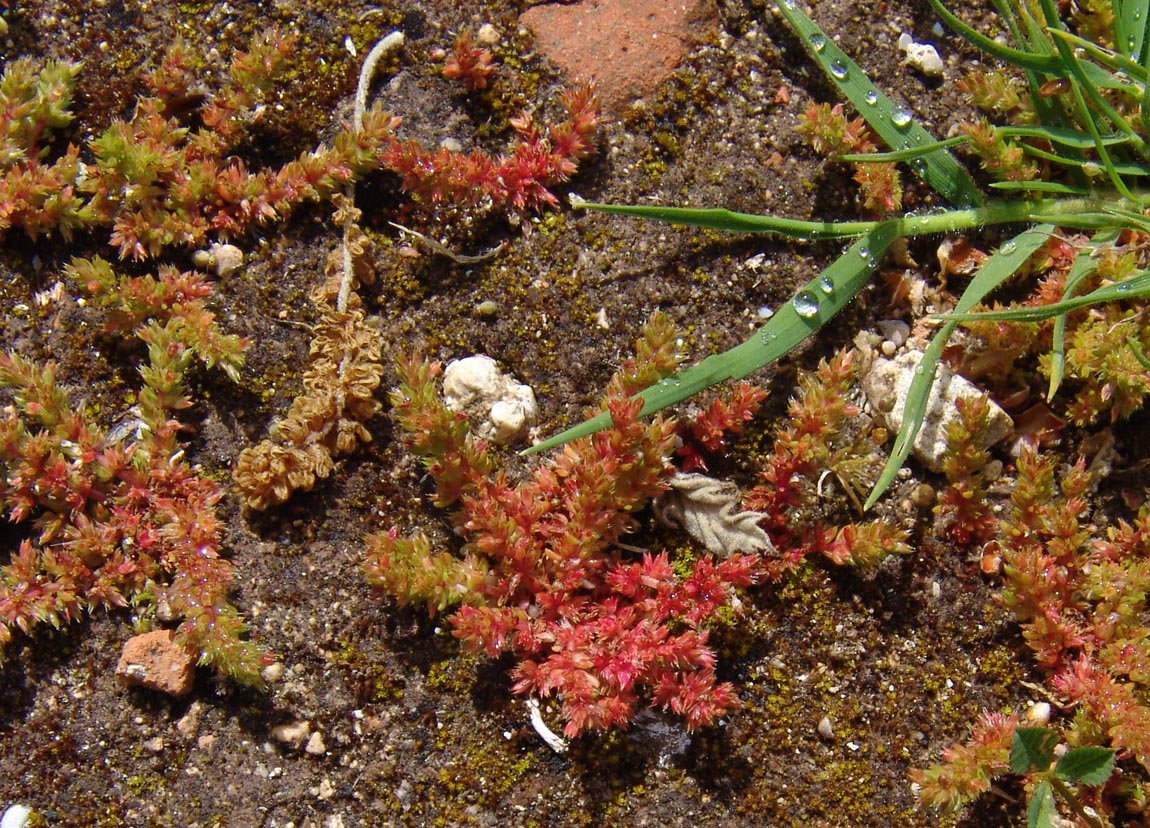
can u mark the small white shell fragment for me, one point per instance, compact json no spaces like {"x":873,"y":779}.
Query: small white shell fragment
{"x":504,"y":408}
{"x":1038,"y":714}
{"x":921,"y":56}
{"x":825,"y":728}
{"x":886,"y":384}
{"x":16,"y":816}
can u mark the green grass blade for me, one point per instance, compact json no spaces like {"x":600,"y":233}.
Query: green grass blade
{"x":1132,"y":220}
{"x":1136,"y":287}
{"x":994,"y":271}
{"x":1117,"y":61}
{"x":1039,"y":186}
{"x":1087,"y":79}
{"x":1083,"y":87}
{"x":1061,"y":135}
{"x":729,"y":220}
{"x":1068,"y":211}
{"x":1120,"y":167}
{"x":1085,"y":263}
{"x":811,"y":308}
{"x":893,"y":124}
{"x":1080,"y":221}
{"x":908,"y":154}
{"x":1025,"y":60}
{"x":1103,"y":77}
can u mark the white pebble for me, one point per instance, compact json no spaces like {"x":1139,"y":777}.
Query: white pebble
{"x":315,"y":745}
{"x":487,"y":35}
{"x":506,"y":409}
{"x":924,"y":58}
{"x":921,"y":56}
{"x":894,"y":330}
{"x":293,"y":734}
{"x":887,"y":383}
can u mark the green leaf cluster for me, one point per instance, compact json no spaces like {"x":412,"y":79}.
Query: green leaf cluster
{"x":1033,"y":752}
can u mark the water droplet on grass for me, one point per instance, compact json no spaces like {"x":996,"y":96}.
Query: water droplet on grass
{"x":871,"y":97}
{"x":901,"y":117}
{"x":1008,"y":248}
{"x":818,"y":41}
{"x":806,"y":305}
{"x":864,"y":252}
{"x":827,"y":285}
{"x":838,"y":69}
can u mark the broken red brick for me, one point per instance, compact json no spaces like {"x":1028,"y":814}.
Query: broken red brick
{"x":624,"y":47}
{"x":156,"y":661}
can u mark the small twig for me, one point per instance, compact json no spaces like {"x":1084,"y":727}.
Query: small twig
{"x":444,"y":250}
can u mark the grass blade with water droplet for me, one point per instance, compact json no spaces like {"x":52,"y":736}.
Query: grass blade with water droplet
{"x":829,"y":292}
{"x":895,"y":125}
{"x":1130,"y":21}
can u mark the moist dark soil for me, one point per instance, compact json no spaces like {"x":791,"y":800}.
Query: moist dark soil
{"x":900,"y":660}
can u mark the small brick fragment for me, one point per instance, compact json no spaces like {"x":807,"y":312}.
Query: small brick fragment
{"x":626,"y":47}
{"x":157,"y":661}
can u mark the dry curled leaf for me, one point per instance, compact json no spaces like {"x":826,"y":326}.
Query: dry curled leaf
{"x":708,"y":510}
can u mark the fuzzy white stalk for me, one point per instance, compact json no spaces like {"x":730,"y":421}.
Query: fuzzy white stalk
{"x":386,"y":44}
